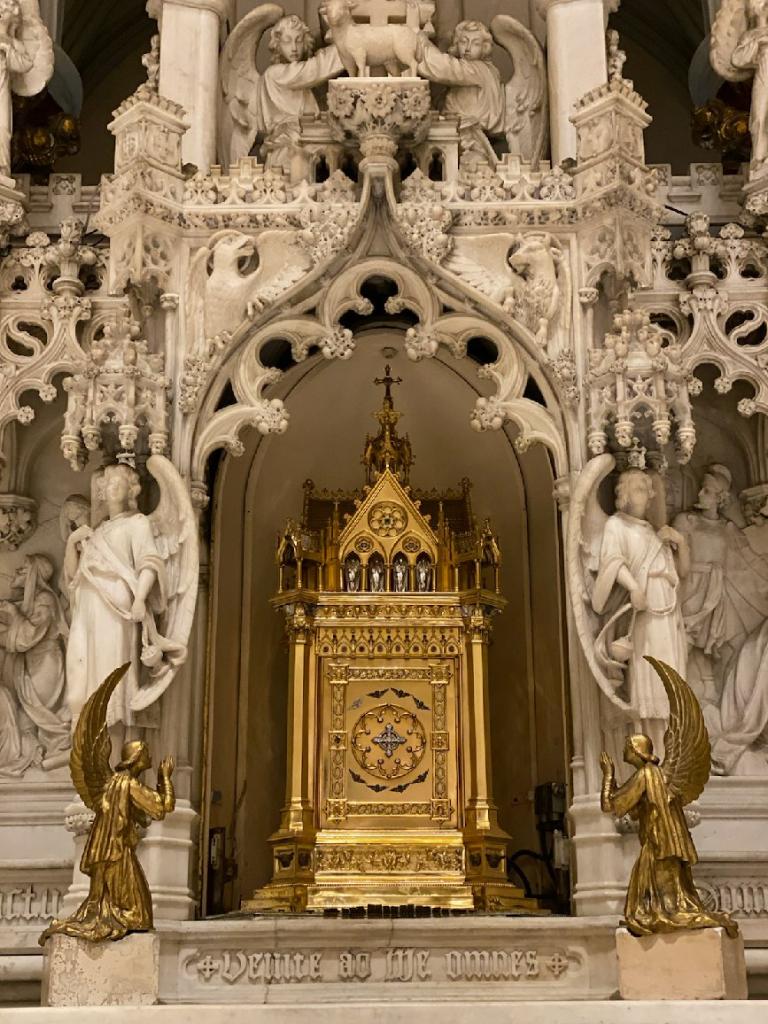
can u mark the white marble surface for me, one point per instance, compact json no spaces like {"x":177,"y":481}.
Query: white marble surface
{"x":79,"y":973}
{"x":464,"y":1012}
{"x":701,"y":964}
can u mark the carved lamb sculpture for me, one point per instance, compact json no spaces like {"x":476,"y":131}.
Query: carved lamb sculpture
{"x":362,"y":47}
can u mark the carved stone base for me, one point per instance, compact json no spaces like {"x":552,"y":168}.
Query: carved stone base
{"x":700,"y":964}
{"x":124,"y":973}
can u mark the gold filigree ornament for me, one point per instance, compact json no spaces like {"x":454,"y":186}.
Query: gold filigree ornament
{"x":118,"y":900}
{"x":387,"y":519}
{"x":662,"y":896}
{"x":389,"y":741}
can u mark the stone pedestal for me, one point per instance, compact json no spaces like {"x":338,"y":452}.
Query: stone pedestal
{"x":124,"y":973}
{"x":700,"y":964}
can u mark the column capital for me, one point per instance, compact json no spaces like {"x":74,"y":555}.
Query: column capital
{"x":223,"y":9}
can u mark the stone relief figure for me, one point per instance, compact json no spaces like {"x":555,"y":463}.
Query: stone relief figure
{"x":26,"y":64}
{"x":624,"y":577}
{"x":220,"y":296}
{"x":272,"y":102}
{"x":118,"y":900}
{"x":662,"y":896}
{"x":32,"y":634}
{"x":738,"y":51}
{"x":486,"y":107}
{"x":725,"y":595}
{"x":526,"y":274}
{"x":19,"y":746}
{"x":132,"y":582}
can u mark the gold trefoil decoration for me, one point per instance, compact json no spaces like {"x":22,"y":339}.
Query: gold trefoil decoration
{"x":662,"y":896}
{"x":388,"y":741}
{"x":118,"y":900}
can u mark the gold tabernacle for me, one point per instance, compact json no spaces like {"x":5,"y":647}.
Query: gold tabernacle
{"x":388,"y":596}
{"x":662,"y":896}
{"x":118,"y":900}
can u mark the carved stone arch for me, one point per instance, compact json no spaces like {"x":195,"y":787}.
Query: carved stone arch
{"x":518,"y":358}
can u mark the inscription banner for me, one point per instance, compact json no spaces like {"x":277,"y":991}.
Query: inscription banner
{"x":403,"y":964}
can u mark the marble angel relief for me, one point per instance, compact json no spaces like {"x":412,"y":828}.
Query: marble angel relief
{"x":272,"y":102}
{"x":739,"y":51}
{"x":485,"y":106}
{"x":725,"y":612}
{"x":132,"y":581}
{"x":624,"y":573}
{"x":527,"y":275}
{"x":26,"y":64}
{"x":220,"y":295}
{"x":34,"y":719}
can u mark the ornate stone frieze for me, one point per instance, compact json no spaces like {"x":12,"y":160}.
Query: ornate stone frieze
{"x":119,"y":381}
{"x":379,"y":113}
{"x":375,"y":858}
{"x":637,"y":375}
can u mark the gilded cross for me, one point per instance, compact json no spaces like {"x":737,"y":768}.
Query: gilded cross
{"x":388,"y":380}
{"x":388,"y":739}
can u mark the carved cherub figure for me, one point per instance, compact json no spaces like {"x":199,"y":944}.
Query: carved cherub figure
{"x":271,"y":102}
{"x":485,"y":106}
{"x":26,"y":63}
{"x":118,"y":900}
{"x":662,"y":896}
{"x":739,"y":50}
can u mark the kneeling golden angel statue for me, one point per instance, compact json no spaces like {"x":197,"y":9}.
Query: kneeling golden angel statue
{"x":662,"y":896}
{"x":118,"y":899}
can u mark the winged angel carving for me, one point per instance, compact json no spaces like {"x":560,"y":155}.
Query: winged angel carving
{"x":739,"y":50}
{"x":220,"y":296}
{"x":662,"y":896}
{"x":132,"y":583}
{"x":624,"y":578}
{"x":272,"y":102}
{"x":526,"y":274}
{"x":26,"y":63}
{"x":517,"y":110}
{"x":118,"y":898}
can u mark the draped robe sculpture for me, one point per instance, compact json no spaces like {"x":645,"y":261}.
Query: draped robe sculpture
{"x":118,"y":900}
{"x":26,"y":64}
{"x":132,"y":582}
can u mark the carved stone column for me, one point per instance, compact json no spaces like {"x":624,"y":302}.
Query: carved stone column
{"x":190,"y":33}
{"x":576,"y":62}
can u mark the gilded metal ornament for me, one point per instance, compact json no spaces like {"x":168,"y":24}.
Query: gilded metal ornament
{"x":389,"y":772}
{"x":662,"y":896}
{"x":118,"y":900}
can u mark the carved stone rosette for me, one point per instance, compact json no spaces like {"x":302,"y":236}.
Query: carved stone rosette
{"x":18,"y":520}
{"x":379,"y":113}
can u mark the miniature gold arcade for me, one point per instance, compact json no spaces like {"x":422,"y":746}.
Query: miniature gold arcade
{"x":388,"y":596}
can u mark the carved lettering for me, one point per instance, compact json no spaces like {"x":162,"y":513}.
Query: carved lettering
{"x":265,"y":968}
{"x":498,"y":964}
{"x":29,"y":904}
{"x":407,"y":965}
{"x":354,"y":966}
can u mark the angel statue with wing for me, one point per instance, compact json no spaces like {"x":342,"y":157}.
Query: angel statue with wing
{"x":26,"y":64}
{"x":486,"y":107}
{"x":132,"y":583}
{"x":624,"y":575}
{"x":662,"y":896}
{"x":118,"y":898}
{"x":738,"y":51}
{"x":273,"y":101}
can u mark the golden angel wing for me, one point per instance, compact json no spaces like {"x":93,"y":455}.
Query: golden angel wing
{"x":686,"y":742}
{"x":91,"y":745}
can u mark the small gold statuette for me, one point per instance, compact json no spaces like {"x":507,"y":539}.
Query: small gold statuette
{"x":662,"y":896}
{"x":118,"y":899}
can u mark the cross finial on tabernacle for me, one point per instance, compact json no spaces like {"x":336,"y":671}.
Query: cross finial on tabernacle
{"x":388,"y":380}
